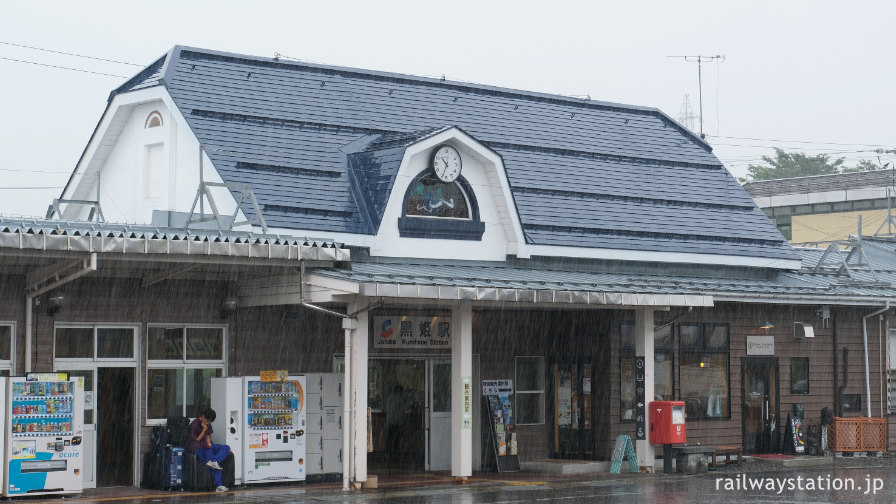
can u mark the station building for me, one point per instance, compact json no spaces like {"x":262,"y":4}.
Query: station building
{"x":433,"y":235}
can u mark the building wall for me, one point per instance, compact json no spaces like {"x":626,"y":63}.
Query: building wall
{"x":835,"y":226}
{"x":304,"y":341}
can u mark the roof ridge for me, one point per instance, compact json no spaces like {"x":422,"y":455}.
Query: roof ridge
{"x":442,"y":82}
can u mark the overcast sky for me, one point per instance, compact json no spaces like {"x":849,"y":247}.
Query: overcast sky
{"x":816,"y":76}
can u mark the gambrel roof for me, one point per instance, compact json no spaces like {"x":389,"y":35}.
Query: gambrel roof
{"x":321,"y":146}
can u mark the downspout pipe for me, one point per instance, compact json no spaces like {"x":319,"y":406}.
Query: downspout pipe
{"x":89,"y":266}
{"x":865,"y":342}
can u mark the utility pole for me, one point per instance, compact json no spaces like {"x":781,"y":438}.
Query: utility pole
{"x":700,"y":60}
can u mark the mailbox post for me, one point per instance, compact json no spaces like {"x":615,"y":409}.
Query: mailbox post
{"x":667,"y":427}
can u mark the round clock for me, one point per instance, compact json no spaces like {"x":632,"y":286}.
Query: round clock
{"x":446,"y":163}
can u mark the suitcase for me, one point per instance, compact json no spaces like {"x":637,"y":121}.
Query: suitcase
{"x":198,"y":478}
{"x":153,"y":477}
{"x":173,"y":466}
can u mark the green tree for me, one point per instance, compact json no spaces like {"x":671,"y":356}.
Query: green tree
{"x":794,"y":164}
{"x":864,"y":165}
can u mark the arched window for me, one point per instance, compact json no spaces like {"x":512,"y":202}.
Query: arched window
{"x":436,"y":209}
{"x":430,"y":197}
{"x":154,"y":120}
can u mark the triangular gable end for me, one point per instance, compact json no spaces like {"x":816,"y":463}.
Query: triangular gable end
{"x":484,"y":179}
{"x":143,"y":166}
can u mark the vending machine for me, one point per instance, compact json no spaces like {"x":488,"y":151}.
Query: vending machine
{"x":44,"y":435}
{"x":274,"y":436}
{"x":227,"y":401}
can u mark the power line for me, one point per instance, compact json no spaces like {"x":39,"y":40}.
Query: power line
{"x":796,"y":141}
{"x":33,"y":171}
{"x":70,"y":54}
{"x":62,"y":67}
{"x":31,"y":187}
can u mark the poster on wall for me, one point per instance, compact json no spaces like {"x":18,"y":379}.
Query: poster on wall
{"x":401,"y":331}
{"x":564,"y":399}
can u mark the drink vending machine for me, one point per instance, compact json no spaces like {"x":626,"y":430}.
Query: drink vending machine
{"x":263,"y":422}
{"x":43,"y":434}
{"x":274,"y":440}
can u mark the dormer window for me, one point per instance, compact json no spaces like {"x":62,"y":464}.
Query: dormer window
{"x":154,"y":120}
{"x":441,"y":210}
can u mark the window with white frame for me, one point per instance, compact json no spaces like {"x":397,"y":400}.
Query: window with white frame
{"x":94,"y":342}
{"x":529,"y":390}
{"x":7,"y":347}
{"x":181,"y":360}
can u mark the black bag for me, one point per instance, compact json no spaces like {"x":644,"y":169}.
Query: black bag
{"x":158,"y":439}
{"x":153,"y":476}
{"x":179,"y":432}
{"x":229,"y":471}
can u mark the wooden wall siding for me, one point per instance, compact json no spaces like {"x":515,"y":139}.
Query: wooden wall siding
{"x":501,"y":335}
{"x":12,"y":309}
{"x":265,"y":338}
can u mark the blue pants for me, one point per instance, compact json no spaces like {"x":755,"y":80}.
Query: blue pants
{"x":218,"y":452}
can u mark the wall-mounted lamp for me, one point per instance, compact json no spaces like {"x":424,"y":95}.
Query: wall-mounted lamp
{"x":766,"y":325}
{"x":229,"y":306}
{"x":803,"y":330}
{"x":54,"y":303}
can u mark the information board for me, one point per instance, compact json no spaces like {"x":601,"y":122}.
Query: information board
{"x":640,"y":407}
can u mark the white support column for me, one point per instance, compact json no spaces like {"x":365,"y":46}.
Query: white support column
{"x":349,"y":325}
{"x":358,"y":363}
{"x":644,"y":346}
{"x":462,"y":391}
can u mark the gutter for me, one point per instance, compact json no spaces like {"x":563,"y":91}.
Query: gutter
{"x":865,"y":342}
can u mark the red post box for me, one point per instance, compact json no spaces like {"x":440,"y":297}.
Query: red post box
{"x":667,"y":422}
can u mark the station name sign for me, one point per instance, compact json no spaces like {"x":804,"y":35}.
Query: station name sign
{"x":412,"y":332}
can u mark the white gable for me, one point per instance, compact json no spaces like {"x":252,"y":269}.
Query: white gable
{"x":143,"y":158}
{"x":483,"y":170}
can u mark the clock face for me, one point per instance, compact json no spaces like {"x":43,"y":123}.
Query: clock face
{"x":446,"y":163}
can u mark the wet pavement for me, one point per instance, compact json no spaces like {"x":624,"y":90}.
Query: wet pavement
{"x":866,"y":481}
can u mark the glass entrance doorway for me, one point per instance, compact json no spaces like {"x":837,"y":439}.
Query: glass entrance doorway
{"x":573,"y":411}
{"x":761,"y":418}
{"x":410,"y":414}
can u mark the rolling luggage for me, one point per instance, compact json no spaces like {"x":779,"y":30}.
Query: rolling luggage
{"x":153,"y":477}
{"x":173,"y":466}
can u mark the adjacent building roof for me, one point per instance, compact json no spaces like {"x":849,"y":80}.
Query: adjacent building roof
{"x":822,"y":183}
{"x":321,"y":146}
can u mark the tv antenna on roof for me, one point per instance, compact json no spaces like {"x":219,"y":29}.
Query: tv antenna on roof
{"x":700,"y":60}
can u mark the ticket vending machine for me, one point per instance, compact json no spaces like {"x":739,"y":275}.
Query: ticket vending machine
{"x":667,"y":427}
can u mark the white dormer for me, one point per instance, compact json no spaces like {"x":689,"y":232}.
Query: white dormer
{"x":472,"y":218}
